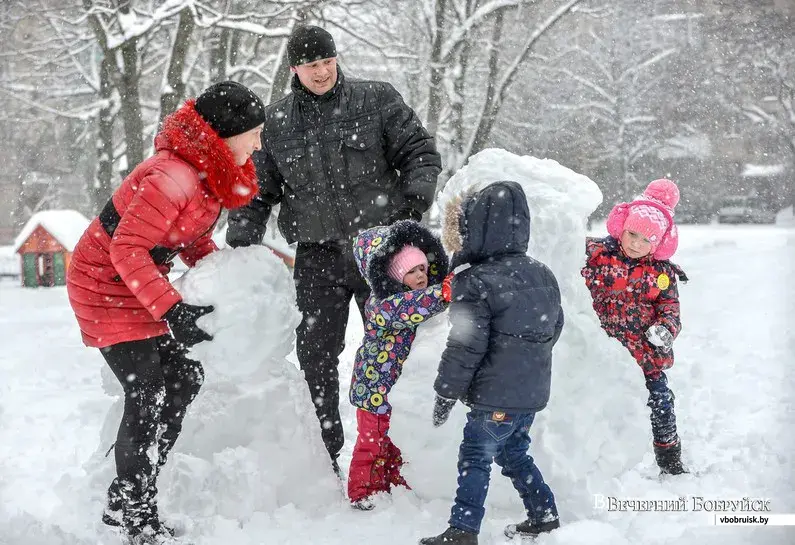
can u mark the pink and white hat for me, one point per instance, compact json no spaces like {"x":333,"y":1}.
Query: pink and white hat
{"x":651,"y":215}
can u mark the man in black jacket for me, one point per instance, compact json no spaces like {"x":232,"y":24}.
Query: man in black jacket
{"x":339,"y":156}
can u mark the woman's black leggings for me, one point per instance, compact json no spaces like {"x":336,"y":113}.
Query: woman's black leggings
{"x":159,"y":383}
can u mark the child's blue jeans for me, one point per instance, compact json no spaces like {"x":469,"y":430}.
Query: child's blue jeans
{"x":504,"y":439}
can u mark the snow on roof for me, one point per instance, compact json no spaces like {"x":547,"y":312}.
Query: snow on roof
{"x":667,"y":17}
{"x":763,"y":170}
{"x":67,"y":226}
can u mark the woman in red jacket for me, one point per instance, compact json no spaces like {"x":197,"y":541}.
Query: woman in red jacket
{"x":123,"y":300}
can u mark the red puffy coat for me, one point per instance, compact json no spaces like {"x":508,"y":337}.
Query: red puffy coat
{"x":631,"y":295}
{"x":172,"y":200}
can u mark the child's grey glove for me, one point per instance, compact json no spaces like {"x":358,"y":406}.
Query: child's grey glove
{"x":441,"y":410}
{"x":660,"y":337}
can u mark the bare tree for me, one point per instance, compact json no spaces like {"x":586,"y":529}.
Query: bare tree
{"x":777,"y":110}
{"x":472,"y":62}
{"x":755,"y":73}
{"x":174,"y":89}
{"x":597,"y":101}
{"x":43,"y":85}
{"x":776,"y":65}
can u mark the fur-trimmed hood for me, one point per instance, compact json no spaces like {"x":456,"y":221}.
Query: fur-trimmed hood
{"x":374,"y":248}
{"x":188,"y":135}
{"x":487,"y":223}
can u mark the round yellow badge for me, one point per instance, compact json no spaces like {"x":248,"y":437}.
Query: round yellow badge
{"x":663,"y":281}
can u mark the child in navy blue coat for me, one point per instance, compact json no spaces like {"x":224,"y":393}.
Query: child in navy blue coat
{"x":506,"y":316}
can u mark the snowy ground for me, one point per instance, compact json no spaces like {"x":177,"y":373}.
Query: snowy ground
{"x":248,"y":471}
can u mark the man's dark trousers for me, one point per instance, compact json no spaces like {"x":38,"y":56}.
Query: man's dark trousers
{"x":326,"y":277}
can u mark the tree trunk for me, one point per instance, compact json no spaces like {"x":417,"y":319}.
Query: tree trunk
{"x":491,"y":108}
{"x":457,"y":128}
{"x":103,"y":182}
{"x":281,"y":76}
{"x":130,"y":99}
{"x":219,"y":56}
{"x":483,"y":131}
{"x":626,"y":190}
{"x":436,"y":89}
{"x":121,"y":68}
{"x":235,"y":40}
{"x":174,"y":90}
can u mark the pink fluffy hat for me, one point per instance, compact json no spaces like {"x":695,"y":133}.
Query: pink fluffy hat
{"x":651,"y":215}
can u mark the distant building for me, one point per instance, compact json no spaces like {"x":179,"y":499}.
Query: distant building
{"x":771,"y":183}
{"x":9,"y":263}
{"x":45,"y":246}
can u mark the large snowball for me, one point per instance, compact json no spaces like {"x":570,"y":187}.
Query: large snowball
{"x":255,"y":314}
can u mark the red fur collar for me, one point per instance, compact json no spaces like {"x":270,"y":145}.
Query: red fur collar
{"x":188,"y":135}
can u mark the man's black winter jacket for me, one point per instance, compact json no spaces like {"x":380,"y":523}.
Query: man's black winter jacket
{"x":338,"y":163}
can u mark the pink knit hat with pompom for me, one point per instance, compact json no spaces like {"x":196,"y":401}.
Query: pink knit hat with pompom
{"x":663,"y":192}
{"x":650,"y":215}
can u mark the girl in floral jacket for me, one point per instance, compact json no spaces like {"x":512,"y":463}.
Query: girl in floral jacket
{"x":635,"y":295}
{"x":404,"y":265}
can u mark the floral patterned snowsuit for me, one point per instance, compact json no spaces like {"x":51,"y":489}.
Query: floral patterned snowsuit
{"x":392,"y":316}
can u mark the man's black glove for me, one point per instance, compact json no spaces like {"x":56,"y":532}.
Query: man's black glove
{"x":181,"y":319}
{"x":237,"y":243}
{"x":404,"y":213}
{"x":441,"y":410}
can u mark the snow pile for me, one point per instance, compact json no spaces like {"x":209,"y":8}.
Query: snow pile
{"x":596,"y":424}
{"x":250,"y":441}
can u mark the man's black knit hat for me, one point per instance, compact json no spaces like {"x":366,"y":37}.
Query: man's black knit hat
{"x":309,"y":44}
{"x":230,"y":108}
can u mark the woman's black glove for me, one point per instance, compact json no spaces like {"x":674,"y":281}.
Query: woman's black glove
{"x":181,"y":319}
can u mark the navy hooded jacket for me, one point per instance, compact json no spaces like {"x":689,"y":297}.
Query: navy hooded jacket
{"x":506,"y":311}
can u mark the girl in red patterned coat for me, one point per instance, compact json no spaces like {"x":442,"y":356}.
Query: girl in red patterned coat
{"x":635,"y":295}
{"x":126,"y":306}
